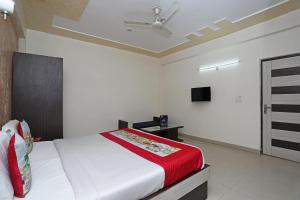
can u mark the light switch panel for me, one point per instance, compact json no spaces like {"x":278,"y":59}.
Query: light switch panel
{"x":238,"y":99}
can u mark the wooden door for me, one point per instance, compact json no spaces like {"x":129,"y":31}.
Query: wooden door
{"x":281,"y":107}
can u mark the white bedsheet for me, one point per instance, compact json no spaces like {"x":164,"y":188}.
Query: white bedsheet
{"x":99,"y":169}
{"x":49,"y":181}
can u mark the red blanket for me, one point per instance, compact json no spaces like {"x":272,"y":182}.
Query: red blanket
{"x":177,"y":159}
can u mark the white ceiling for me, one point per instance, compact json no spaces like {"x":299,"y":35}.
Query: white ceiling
{"x":104,"y":19}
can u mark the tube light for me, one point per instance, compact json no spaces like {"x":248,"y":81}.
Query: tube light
{"x":220,"y":65}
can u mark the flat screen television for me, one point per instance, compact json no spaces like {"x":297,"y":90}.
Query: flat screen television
{"x":201,"y":94}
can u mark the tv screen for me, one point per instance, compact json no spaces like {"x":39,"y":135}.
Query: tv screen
{"x":201,"y":94}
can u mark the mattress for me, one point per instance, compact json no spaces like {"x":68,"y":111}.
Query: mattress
{"x":100,"y":169}
{"x":96,"y":168}
{"x":49,"y":180}
{"x":177,"y":159}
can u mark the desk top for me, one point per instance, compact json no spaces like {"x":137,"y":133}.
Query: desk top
{"x":158,"y":128}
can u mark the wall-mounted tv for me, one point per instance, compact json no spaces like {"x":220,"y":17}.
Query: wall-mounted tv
{"x":201,"y":94}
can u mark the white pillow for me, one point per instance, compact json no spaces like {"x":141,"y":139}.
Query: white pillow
{"x":6,"y":189}
{"x":4,"y":141}
{"x":11,"y":125}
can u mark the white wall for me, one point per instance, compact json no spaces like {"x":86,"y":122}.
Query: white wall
{"x":223,"y":119}
{"x":101,"y":84}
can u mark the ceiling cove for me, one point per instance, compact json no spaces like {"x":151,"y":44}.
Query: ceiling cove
{"x":196,"y":22}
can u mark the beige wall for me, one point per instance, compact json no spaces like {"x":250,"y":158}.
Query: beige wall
{"x":101,"y":84}
{"x":226,"y":118}
{"x":8,"y":44}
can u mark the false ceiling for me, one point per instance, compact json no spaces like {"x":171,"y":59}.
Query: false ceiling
{"x":196,"y":22}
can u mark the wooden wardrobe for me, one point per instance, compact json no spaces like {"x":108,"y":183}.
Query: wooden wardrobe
{"x":37,"y":94}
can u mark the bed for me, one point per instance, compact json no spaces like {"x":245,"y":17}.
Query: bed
{"x":108,"y":166}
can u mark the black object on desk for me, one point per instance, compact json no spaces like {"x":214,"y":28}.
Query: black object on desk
{"x":164,"y":120}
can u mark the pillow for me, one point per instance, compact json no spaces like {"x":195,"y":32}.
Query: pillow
{"x":24,"y":131}
{"x":6,"y":189}
{"x":11,"y":125}
{"x":4,"y":141}
{"x":19,"y":165}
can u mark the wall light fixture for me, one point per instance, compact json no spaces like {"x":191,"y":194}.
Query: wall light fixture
{"x":6,"y":8}
{"x":218,"y":66}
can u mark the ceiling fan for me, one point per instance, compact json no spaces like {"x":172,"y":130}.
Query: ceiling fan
{"x":159,"y":22}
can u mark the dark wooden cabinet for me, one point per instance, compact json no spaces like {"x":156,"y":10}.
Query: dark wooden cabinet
{"x":37,"y":94}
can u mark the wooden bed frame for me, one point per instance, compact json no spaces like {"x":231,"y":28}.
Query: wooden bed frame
{"x":194,"y":187}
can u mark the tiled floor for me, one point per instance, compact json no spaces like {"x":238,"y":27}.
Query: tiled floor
{"x":241,"y":175}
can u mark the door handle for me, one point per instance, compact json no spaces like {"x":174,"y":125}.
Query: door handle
{"x":266,"y":108}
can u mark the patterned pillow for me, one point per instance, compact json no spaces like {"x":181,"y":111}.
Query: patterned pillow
{"x":24,"y":131}
{"x":19,"y":166}
{"x":11,"y":126}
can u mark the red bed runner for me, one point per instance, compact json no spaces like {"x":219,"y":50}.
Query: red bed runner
{"x":177,"y":164}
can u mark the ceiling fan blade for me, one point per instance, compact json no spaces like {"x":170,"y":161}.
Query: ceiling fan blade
{"x":162,"y":31}
{"x":171,"y":12}
{"x":137,"y":24}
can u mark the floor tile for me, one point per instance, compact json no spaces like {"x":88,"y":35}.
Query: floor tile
{"x":216,"y":190}
{"x":233,"y":195}
{"x":241,"y":175}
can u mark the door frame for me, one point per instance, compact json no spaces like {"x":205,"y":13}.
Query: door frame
{"x":261,"y":92}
